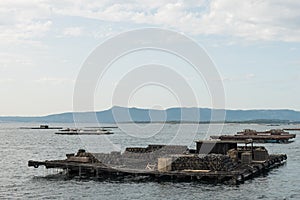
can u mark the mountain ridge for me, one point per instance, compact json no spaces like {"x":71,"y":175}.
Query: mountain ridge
{"x":176,"y":114}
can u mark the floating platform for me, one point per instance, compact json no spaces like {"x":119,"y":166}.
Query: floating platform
{"x":171,"y":163}
{"x":41,"y":127}
{"x":291,"y":129}
{"x":271,"y":136}
{"x":105,"y":127}
{"x":70,"y":131}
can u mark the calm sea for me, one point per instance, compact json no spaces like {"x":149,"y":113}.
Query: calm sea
{"x":20,"y":145}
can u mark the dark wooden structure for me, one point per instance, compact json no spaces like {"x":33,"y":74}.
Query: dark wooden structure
{"x":291,"y":129}
{"x":88,"y":131}
{"x":271,"y":136}
{"x":214,"y":146}
{"x":43,"y":126}
{"x":226,"y":162}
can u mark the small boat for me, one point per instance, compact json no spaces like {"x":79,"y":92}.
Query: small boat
{"x":76,"y":131}
{"x":270,"y":136}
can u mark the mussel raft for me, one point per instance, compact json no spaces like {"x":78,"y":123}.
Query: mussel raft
{"x":226,"y":162}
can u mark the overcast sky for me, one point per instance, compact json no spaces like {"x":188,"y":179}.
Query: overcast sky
{"x":255,"y":46}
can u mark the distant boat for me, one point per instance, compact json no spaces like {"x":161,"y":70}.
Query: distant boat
{"x":292,"y":129}
{"x":75,"y":131}
{"x":103,"y":127}
{"x":43,"y":126}
{"x":271,"y":136}
{"x":273,"y":125}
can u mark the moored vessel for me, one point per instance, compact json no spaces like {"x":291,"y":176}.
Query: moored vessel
{"x":270,"y":136}
{"x":90,"y":131}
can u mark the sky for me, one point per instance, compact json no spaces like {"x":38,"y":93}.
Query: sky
{"x":255,"y":46}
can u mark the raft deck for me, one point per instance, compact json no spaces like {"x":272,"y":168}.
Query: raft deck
{"x":99,"y":171}
{"x":257,"y":138}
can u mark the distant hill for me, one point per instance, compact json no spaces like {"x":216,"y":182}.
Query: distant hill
{"x":121,"y":114}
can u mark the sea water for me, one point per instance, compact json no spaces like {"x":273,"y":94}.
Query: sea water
{"x":20,"y":145}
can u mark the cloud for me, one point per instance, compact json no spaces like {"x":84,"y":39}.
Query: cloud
{"x":24,"y":32}
{"x":73,"y":31}
{"x":251,"y":20}
{"x":54,"y":80}
{"x":6,"y":81}
{"x":7,"y":60}
{"x":277,"y":20}
{"x":23,"y":21}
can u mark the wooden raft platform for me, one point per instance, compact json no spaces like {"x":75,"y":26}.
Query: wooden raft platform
{"x":89,"y":131}
{"x":100,"y":171}
{"x":271,"y":136}
{"x":291,"y":129}
{"x":41,"y":127}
